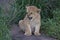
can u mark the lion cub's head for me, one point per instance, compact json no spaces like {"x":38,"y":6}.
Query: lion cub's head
{"x":32,"y":11}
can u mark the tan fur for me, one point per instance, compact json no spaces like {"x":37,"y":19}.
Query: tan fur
{"x":28,"y":25}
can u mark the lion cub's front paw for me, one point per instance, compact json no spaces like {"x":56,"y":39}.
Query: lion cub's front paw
{"x":28,"y":34}
{"x":37,"y":33}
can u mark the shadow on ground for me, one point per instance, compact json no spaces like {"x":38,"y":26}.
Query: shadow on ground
{"x":17,"y":35}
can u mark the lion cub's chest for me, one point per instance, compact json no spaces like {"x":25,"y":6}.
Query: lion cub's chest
{"x":33,"y":23}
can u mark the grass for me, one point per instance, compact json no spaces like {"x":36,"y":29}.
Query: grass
{"x":4,"y":31}
{"x":51,"y":27}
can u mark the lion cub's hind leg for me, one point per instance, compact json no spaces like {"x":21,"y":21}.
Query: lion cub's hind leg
{"x":21,"y":25}
{"x":25,"y":27}
{"x":28,"y":31}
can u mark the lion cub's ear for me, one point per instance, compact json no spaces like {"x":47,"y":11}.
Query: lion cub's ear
{"x":39,"y":10}
{"x":27,"y":8}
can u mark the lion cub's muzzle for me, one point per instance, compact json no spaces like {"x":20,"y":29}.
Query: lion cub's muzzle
{"x":29,"y":17}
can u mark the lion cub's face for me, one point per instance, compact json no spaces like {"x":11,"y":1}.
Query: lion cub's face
{"x":32,"y":11}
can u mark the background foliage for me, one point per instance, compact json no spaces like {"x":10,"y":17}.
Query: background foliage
{"x":50,"y":16}
{"x":4,"y":31}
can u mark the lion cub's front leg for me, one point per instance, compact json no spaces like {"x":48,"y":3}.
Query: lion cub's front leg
{"x":37,"y":29}
{"x":28,"y":30}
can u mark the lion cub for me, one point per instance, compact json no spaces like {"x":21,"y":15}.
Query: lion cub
{"x":31,"y":22}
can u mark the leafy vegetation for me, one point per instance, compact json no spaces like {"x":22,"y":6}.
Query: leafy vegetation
{"x":51,"y":27}
{"x":4,"y":31}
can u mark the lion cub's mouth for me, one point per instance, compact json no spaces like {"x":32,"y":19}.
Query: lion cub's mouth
{"x":29,"y":18}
